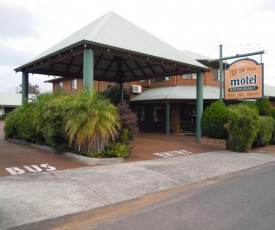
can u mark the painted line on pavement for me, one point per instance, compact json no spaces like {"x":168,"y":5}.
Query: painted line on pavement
{"x":31,"y":168}
{"x":173,"y":153}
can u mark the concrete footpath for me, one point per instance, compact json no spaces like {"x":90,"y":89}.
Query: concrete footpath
{"x":34,"y":197}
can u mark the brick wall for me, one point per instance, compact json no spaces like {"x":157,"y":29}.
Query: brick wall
{"x":208,"y":79}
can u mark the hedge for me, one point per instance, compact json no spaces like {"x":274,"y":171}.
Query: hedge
{"x":213,"y":119}
{"x":243,"y":126}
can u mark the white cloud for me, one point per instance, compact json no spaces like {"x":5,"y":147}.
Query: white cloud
{"x":29,"y":27}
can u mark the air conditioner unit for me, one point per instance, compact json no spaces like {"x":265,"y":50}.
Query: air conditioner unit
{"x":136,"y":89}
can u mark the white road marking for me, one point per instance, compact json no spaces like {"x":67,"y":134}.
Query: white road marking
{"x":32,"y":168}
{"x":173,"y":153}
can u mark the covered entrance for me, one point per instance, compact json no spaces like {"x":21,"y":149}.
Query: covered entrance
{"x":114,"y":50}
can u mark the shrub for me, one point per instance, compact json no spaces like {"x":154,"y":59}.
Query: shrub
{"x":273,"y":134}
{"x":49,"y":120}
{"x":91,"y":121}
{"x":113,"y":94}
{"x":243,"y":126}
{"x":213,"y":119}
{"x":11,"y":124}
{"x":128,"y":119}
{"x":18,"y":124}
{"x":273,"y":113}
{"x":251,"y":105}
{"x":116,"y":149}
{"x":264,"y":134}
{"x":264,"y":107}
{"x":26,"y":129}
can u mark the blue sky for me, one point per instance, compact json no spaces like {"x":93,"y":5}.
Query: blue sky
{"x":29,"y":27}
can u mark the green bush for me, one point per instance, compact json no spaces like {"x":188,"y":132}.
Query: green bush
{"x":92,"y":124}
{"x":251,"y":105}
{"x":273,"y":134}
{"x":26,"y":129}
{"x":11,"y":124}
{"x":264,"y":107}
{"x":92,"y":121}
{"x":264,"y":134}
{"x":49,"y":120}
{"x":213,"y":119}
{"x":273,"y":113}
{"x":243,"y":126}
{"x":18,"y":124}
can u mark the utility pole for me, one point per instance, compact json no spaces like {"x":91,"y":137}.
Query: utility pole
{"x":221,"y":74}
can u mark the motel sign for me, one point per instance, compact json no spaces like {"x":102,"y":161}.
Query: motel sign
{"x":243,"y":80}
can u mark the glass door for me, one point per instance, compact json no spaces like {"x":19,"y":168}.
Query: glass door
{"x":187,"y":118}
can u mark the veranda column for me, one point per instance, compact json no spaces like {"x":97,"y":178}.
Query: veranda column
{"x":88,"y":69}
{"x":121,"y":90}
{"x":199,"y":108}
{"x":167,"y":118}
{"x":25,"y":88}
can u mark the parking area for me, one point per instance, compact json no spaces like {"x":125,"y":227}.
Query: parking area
{"x":20,"y":159}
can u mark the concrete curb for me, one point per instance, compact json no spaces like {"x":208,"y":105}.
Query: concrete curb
{"x":88,"y":160}
{"x":105,"y":161}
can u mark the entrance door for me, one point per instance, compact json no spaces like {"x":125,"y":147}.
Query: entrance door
{"x":187,"y":118}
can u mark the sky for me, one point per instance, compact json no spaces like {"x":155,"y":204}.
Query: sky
{"x":29,"y":27}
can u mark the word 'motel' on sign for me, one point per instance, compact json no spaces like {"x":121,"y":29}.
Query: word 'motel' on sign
{"x":243,"y":80}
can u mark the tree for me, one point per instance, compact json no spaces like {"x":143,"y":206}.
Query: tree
{"x":113,"y":94}
{"x":33,"y":89}
{"x":91,"y":121}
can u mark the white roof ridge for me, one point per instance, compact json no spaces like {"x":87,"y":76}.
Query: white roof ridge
{"x":94,"y":33}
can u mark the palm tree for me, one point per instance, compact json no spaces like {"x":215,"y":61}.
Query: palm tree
{"x":91,"y":121}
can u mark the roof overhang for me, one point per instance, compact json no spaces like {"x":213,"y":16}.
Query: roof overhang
{"x":122,"y":53}
{"x":110,"y":64}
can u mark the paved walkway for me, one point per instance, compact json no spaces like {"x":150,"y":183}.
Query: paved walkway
{"x":33,"y":197}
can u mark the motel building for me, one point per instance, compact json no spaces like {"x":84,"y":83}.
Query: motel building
{"x":168,"y":89}
{"x":149,"y":98}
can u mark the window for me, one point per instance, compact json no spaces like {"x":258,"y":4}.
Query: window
{"x":216,"y":74}
{"x":162,"y":79}
{"x":60,"y":85}
{"x":142,"y":113}
{"x":189,"y":76}
{"x":141,"y":80}
{"x":158,"y":115}
{"x":74,"y":84}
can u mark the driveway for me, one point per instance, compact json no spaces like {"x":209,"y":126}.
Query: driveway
{"x":20,"y":159}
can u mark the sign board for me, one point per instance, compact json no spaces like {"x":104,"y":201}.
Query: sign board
{"x":243,"y":80}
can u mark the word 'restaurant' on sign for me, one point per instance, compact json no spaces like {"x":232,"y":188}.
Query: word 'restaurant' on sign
{"x":243,"y":80}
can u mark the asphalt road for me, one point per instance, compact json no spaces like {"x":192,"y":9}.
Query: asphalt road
{"x":245,"y":200}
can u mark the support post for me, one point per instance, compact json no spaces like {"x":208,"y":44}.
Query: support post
{"x":88,"y":69}
{"x":121,"y":91}
{"x":221,"y":74}
{"x":199,"y":107}
{"x":25,"y":86}
{"x":167,"y":118}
